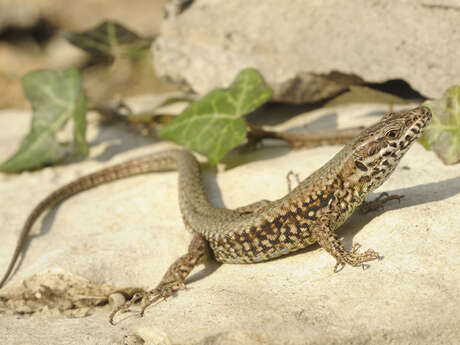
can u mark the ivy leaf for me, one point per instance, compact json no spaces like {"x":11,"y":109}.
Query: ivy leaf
{"x":214,"y":125}
{"x":56,"y":97}
{"x":443,"y":134}
{"x":109,"y":40}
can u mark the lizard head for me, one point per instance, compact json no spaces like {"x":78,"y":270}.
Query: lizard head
{"x":379,"y":148}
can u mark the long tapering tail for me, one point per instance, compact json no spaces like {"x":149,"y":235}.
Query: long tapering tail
{"x":161,"y":161}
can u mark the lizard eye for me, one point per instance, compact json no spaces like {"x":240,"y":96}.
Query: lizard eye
{"x":391,"y":134}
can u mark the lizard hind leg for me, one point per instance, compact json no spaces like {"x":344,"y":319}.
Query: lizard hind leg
{"x":259,"y":206}
{"x":328,"y":240}
{"x":173,"y":279}
{"x":374,"y":205}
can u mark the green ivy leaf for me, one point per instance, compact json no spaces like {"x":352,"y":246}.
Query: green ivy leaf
{"x":443,"y":134}
{"x":214,"y":125}
{"x":56,"y":97}
{"x":109,"y":40}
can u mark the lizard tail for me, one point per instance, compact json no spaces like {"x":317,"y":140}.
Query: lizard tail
{"x":161,"y":161}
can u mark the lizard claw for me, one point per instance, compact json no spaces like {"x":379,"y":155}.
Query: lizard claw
{"x":136,"y":294}
{"x":172,"y":281}
{"x":147,"y":298}
{"x":337,"y":268}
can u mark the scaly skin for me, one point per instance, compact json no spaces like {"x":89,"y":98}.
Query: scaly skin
{"x":265,"y":230}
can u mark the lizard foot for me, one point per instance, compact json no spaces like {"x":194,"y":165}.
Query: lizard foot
{"x":328,"y":240}
{"x":374,"y":205}
{"x":172,"y":281}
{"x":354,"y":258}
{"x":288,"y":178}
{"x":146,"y":298}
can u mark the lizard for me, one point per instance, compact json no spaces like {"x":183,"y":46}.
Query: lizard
{"x":265,"y":230}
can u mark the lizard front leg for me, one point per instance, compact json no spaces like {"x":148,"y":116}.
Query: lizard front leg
{"x":173,"y":280}
{"x":328,"y":240}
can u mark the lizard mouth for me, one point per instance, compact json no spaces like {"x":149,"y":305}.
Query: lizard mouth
{"x":422,"y":118}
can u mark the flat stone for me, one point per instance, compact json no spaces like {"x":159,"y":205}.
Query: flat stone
{"x":128,"y":232}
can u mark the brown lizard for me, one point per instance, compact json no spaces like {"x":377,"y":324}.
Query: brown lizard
{"x":264,"y":230}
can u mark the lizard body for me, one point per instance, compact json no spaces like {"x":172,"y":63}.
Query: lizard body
{"x":310,"y":213}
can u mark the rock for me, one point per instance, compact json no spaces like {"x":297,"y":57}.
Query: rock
{"x":307,"y":50}
{"x":230,"y":338}
{"x":128,"y":232}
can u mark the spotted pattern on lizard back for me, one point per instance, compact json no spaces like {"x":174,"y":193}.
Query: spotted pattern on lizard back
{"x":288,"y":224}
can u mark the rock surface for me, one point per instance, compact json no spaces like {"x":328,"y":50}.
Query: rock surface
{"x":128,"y":232}
{"x":310,"y":50}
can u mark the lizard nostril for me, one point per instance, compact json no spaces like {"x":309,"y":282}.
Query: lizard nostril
{"x":425,"y":110}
